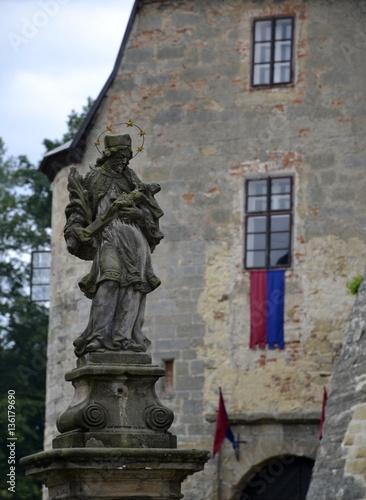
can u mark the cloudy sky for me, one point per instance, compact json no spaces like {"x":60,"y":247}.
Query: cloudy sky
{"x":54,"y":53}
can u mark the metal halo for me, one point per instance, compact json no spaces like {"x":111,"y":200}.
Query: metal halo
{"x":130,"y":123}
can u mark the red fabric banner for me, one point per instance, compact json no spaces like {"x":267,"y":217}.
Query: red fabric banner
{"x":258,"y":313}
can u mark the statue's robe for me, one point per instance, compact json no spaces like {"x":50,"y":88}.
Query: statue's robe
{"x":122,"y":273}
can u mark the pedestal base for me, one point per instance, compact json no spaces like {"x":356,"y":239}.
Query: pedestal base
{"x":112,"y":474}
{"x":114,"y":441}
{"x":115,"y":404}
{"x":123,"y":439}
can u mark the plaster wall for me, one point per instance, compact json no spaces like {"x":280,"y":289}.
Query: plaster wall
{"x":185,"y":79}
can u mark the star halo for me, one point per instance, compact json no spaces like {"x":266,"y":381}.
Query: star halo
{"x":111,"y":128}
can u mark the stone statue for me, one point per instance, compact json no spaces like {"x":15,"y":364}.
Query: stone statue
{"x":115,"y":426}
{"x":113,"y":220}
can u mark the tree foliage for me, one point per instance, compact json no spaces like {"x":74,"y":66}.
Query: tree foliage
{"x":25,"y":219}
{"x":74,"y":121}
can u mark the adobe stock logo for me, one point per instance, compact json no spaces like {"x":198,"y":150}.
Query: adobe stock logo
{"x":33,"y":24}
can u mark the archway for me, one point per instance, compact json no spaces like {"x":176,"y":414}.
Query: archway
{"x":282,"y":478}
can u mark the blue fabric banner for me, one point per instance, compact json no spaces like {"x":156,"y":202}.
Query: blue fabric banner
{"x":275,"y":308}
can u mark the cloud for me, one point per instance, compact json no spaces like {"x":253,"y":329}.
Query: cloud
{"x":60,"y":57}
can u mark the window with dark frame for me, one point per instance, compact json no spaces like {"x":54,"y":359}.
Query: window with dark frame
{"x":268,"y":223}
{"x":272,"y":51}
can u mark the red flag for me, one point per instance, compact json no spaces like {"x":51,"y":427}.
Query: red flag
{"x":322,"y":418}
{"x":223,"y":428}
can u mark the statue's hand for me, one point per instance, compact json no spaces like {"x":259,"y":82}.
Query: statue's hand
{"x":131,"y":212}
{"x":119,"y":203}
{"x":83,"y":235}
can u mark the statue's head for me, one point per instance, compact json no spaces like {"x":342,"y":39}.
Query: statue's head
{"x":118,"y":144}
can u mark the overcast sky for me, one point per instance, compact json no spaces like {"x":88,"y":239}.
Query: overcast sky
{"x":54,"y":54}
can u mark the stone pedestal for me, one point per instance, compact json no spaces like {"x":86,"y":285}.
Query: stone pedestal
{"x":115,"y":404}
{"x":118,"y":473}
{"x":114,"y":440}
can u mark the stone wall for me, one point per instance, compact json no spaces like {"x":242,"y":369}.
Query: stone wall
{"x":340,"y":467}
{"x":185,"y":79}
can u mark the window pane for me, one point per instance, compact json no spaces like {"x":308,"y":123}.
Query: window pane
{"x":40,"y":293}
{"x":41,"y":259}
{"x":279,"y":258}
{"x":41,"y":276}
{"x":262,"y":52}
{"x":280,"y":222}
{"x":256,"y":259}
{"x":283,"y":29}
{"x":280,"y":202}
{"x":280,"y":240}
{"x":257,"y":187}
{"x":256,"y":225}
{"x":257,"y":203}
{"x":282,"y":73}
{"x":282,"y":51}
{"x":257,"y":242}
{"x":281,"y":185}
{"x":261,"y":74}
{"x":263,"y":31}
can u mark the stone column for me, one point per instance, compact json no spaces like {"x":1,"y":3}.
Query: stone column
{"x":114,"y":441}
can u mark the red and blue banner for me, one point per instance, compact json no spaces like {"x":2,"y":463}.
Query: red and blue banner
{"x":267,"y":306}
{"x":223,"y":429}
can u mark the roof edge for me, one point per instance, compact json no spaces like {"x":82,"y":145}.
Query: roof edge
{"x":54,"y":161}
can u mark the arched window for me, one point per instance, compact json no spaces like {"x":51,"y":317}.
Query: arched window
{"x":282,"y":478}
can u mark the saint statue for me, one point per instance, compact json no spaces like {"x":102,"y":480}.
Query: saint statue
{"x":113,"y":220}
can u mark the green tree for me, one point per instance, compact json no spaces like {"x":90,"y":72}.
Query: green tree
{"x":25,"y":219}
{"x":74,"y":121}
{"x":25,"y":207}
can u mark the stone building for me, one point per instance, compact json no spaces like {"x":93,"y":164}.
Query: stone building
{"x":255,"y":122}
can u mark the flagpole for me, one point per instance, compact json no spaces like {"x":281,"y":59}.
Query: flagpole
{"x":219,"y":476}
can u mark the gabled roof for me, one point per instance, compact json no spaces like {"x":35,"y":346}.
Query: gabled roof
{"x":72,"y":151}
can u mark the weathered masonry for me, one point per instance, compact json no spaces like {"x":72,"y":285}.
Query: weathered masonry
{"x":256,"y":123}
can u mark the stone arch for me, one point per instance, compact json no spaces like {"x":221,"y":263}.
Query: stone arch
{"x":282,"y":476}
{"x":261,"y":441}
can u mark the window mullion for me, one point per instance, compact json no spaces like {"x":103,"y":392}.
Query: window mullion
{"x":273,"y":35}
{"x":292,"y":53}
